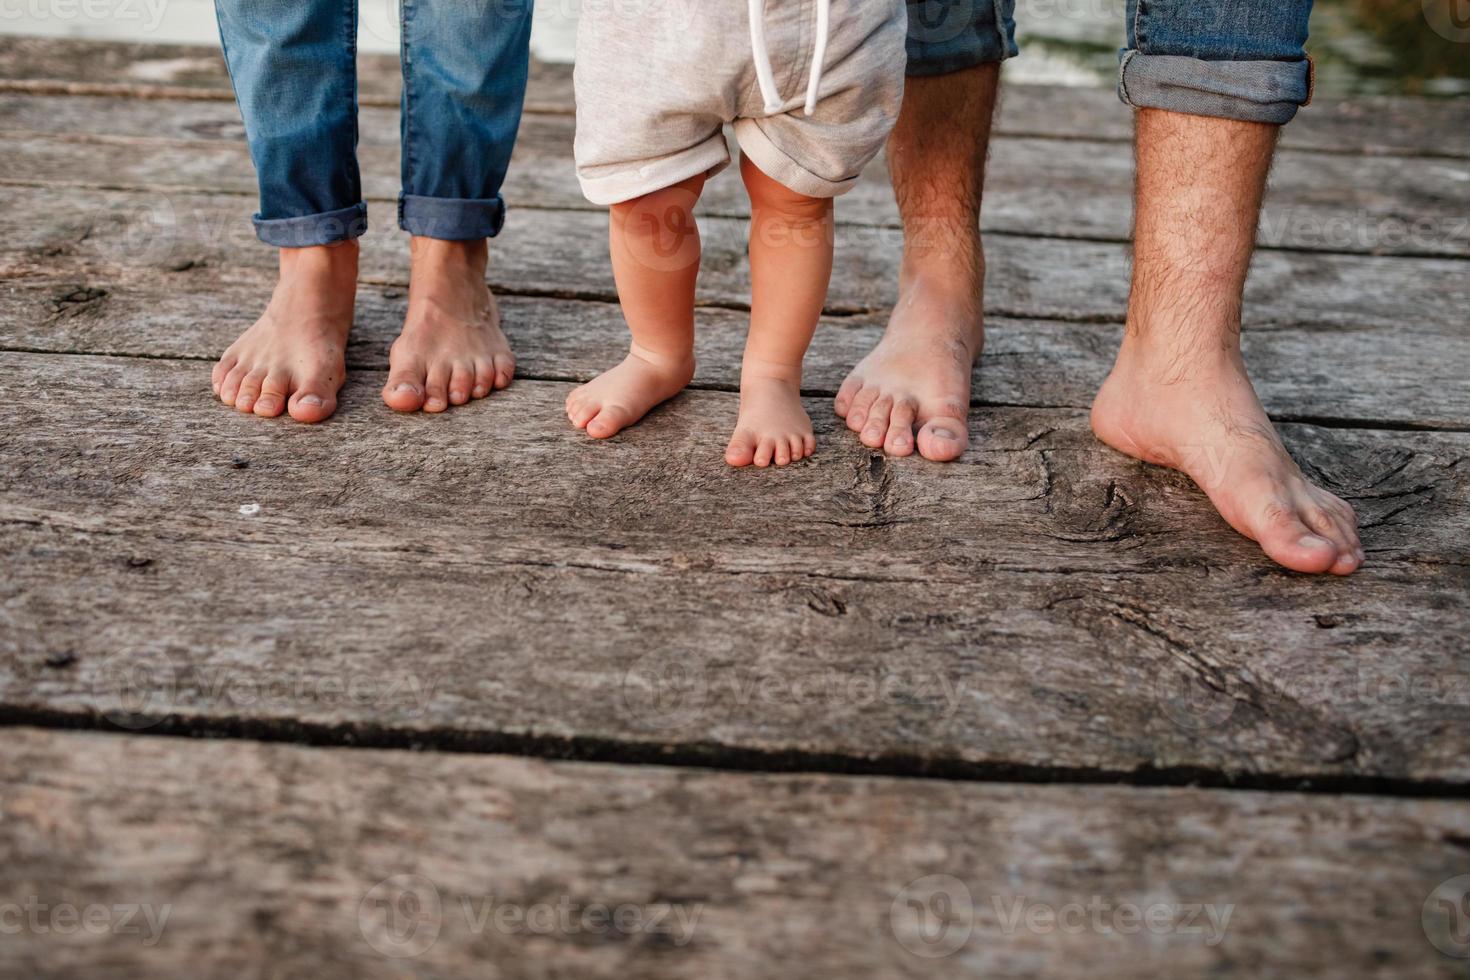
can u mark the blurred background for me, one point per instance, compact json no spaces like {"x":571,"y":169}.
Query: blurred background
{"x":1361,"y":46}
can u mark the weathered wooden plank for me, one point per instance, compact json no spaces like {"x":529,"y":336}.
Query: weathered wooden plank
{"x":1362,"y":125}
{"x":563,"y":253}
{"x":1410,"y":377}
{"x":294,"y":863}
{"x":1042,"y":602}
{"x":1070,"y":188}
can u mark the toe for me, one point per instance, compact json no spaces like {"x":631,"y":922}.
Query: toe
{"x":580,"y":410}
{"x":782,"y":451}
{"x":765,"y":450}
{"x":943,"y":437}
{"x":876,"y":429}
{"x":484,"y":378}
{"x":461,"y":383}
{"x":222,"y":369}
{"x":857,"y":413}
{"x":315,"y":398}
{"x":900,"y":438}
{"x":808,"y":445}
{"x":230,"y":387}
{"x":741,"y":450}
{"x":249,"y":391}
{"x":797,"y":447}
{"x":404,"y":391}
{"x":608,"y":421}
{"x":1287,"y":540}
{"x":436,"y":388}
{"x":273,"y":393}
{"x":845,"y":394}
{"x":505,"y":370}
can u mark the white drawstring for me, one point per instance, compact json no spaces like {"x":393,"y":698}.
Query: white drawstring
{"x":819,"y":54}
{"x":765,"y":77}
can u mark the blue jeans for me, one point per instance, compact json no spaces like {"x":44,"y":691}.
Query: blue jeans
{"x":1237,"y":59}
{"x":294,"y":67}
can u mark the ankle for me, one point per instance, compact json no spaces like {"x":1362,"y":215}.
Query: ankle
{"x":763,"y":369}
{"x":338,"y":259}
{"x":674,"y":363}
{"x":472,"y":255}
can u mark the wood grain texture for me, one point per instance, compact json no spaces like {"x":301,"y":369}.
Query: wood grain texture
{"x":1067,"y":188}
{"x":537,"y":584}
{"x":1362,"y":125}
{"x":1370,"y":375}
{"x":563,"y":253}
{"x":281,"y":869}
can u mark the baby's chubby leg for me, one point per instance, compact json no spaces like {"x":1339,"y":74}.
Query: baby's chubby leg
{"x":655,"y":259}
{"x":790,"y":265}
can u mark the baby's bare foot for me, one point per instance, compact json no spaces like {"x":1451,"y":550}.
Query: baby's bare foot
{"x":773,"y":426}
{"x":293,"y":357}
{"x":619,"y":397}
{"x":451,"y":348}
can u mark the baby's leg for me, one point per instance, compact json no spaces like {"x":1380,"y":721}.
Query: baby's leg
{"x":790,"y":264}
{"x":655,"y":259}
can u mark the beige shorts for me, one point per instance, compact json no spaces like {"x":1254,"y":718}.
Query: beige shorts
{"x":657,"y":79}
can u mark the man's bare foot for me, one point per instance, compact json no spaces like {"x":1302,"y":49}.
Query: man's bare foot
{"x":1201,"y":416}
{"x":622,"y":395}
{"x":292,"y":358}
{"x":773,"y":426}
{"x":919,"y":374}
{"x":451,"y":349}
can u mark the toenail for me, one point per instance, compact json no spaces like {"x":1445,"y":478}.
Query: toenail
{"x":944,"y":434}
{"x":1362,"y":556}
{"x":408,"y":388}
{"x":1312,"y":541}
{"x":311,"y":400}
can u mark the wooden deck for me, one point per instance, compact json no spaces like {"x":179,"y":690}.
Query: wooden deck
{"x":831,"y":721}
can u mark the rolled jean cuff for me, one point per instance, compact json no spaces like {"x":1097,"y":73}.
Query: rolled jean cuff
{"x":1251,"y":91}
{"x":950,"y":35}
{"x":452,"y":219}
{"x":326,"y":228}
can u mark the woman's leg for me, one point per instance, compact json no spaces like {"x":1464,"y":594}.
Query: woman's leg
{"x":464,"y":78}
{"x":293,"y":66}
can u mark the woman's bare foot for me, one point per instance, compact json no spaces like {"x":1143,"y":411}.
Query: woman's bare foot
{"x":1200,"y":415}
{"x":622,"y":395}
{"x":451,"y":349}
{"x":293,"y":357}
{"x":919,"y":374}
{"x":773,"y":426}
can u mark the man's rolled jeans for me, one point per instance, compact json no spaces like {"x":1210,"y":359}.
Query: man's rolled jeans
{"x":1235,"y":59}
{"x":293,"y":65}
